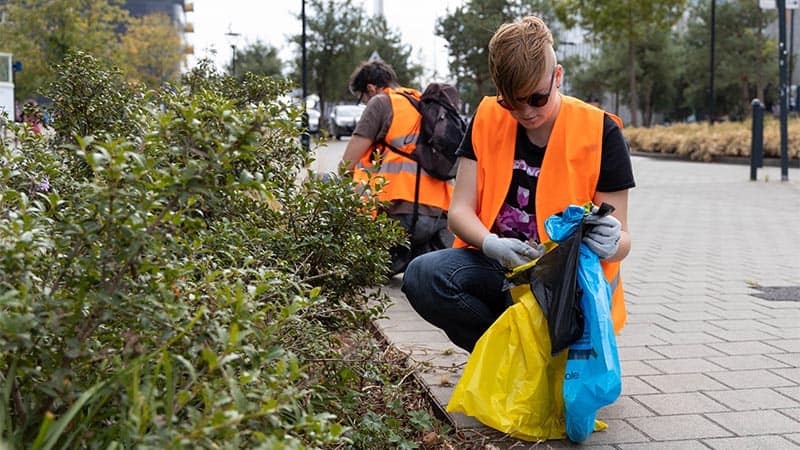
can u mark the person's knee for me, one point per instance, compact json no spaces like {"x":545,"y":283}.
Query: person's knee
{"x":412,"y":276}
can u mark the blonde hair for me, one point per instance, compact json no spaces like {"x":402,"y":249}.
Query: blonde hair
{"x":519,"y":55}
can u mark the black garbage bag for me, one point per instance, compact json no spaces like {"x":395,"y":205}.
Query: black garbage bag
{"x":554,"y":283}
{"x":553,"y":278}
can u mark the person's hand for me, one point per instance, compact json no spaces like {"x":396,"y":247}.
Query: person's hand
{"x":509,"y":252}
{"x":603,"y":237}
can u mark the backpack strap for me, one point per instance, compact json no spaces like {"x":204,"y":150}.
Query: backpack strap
{"x":415,"y":215}
{"x":416,"y":104}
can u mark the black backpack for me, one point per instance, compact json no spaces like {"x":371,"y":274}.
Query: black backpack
{"x":441,"y":130}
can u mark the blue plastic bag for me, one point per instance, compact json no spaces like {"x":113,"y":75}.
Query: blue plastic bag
{"x":593,"y":377}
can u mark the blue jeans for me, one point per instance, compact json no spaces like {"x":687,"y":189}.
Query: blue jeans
{"x":459,"y":290}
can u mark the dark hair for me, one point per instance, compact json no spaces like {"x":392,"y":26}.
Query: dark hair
{"x":378,"y":73}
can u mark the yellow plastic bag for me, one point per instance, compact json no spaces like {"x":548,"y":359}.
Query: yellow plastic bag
{"x":511,"y":382}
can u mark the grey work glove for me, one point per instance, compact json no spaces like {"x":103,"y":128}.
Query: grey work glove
{"x":509,"y":252}
{"x":603,"y":237}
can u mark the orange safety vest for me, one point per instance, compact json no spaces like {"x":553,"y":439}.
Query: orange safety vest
{"x":569,"y":173}
{"x":398,"y":172}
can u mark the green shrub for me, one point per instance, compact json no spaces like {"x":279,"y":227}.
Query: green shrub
{"x":167,"y":282}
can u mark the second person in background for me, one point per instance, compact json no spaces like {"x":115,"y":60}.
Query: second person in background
{"x":391,"y":118}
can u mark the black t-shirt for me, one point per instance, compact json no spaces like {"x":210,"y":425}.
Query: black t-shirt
{"x":517,"y":216}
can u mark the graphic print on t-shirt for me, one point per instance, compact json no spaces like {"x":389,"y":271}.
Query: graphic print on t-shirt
{"x":517,"y":216}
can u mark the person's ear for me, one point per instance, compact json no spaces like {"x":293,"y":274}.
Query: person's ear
{"x":560,"y":75}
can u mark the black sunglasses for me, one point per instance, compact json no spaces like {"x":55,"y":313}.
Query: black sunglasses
{"x":535,"y":100}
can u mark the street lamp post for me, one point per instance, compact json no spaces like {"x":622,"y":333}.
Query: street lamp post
{"x":784,"y":88}
{"x":306,"y":139}
{"x":232,"y":36}
{"x":711,"y":96}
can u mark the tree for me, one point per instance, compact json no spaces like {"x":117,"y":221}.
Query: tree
{"x":41,"y":32}
{"x":339,"y":35}
{"x":151,"y":51}
{"x":378,"y":37}
{"x":745,"y":61}
{"x":658,"y":68}
{"x":331,"y":29}
{"x":625,"y":21}
{"x":259,"y":58}
{"x":468,"y":30}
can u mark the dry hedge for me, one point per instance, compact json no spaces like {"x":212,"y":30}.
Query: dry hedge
{"x":703,"y":142}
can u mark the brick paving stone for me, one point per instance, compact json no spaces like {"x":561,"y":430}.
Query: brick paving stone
{"x":643,"y":318}
{"x":792,"y":392}
{"x":742,"y":335}
{"x":634,"y":385}
{"x":746,"y":348}
{"x":637,"y":329}
{"x":618,"y":432}
{"x":780,"y":322}
{"x":422,"y":338}
{"x":671,"y":445}
{"x":651,"y":287}
{"x":648,"y":308}
{"x":750,"y":399}
{"x":445,"y":360}
{"x":745,"y":313}
{"x":697,"y":304}
{"x":740,"y":324}
{"x":787,"y":333}
{"x":681,"y":403}
{"x":645,"y":299}
{"x":638,"y":353}
{"x":693,"y":303}
{"x":693,"y":315}
{"x":751,"y":442}
{"x":746,"y":362}
{"x":747,"y":423}
{"x":684,"y":365}
{"x":558,"y":445}
{"x":747,"y":379}
{"x":686,"y":326}
{"x":687,"y":350}
{"x":441,"y":393}
{"x":636,"y":368}
{"x":792,"y":373}
{"x":687,"y":337}
{"x":623,"y":408}
{"x":790,"y":359}
{"x":439,"y":378}
{"x":787,"y":345}
{"x":637,"y":340}
{"x":788,"y":315}
{"x":794,"y":413}
{"x":686,"y":382}
{"x":678,"y":428}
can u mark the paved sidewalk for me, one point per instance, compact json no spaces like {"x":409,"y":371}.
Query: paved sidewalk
{"x":707,"y":361}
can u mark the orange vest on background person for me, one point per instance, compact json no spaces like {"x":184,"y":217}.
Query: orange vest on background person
{"x":399,"y":173}
{"x":568,"y":176}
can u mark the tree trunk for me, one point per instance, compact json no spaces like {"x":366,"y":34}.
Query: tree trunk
{"x":746,"y":100}
{"x":634,"y":100}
